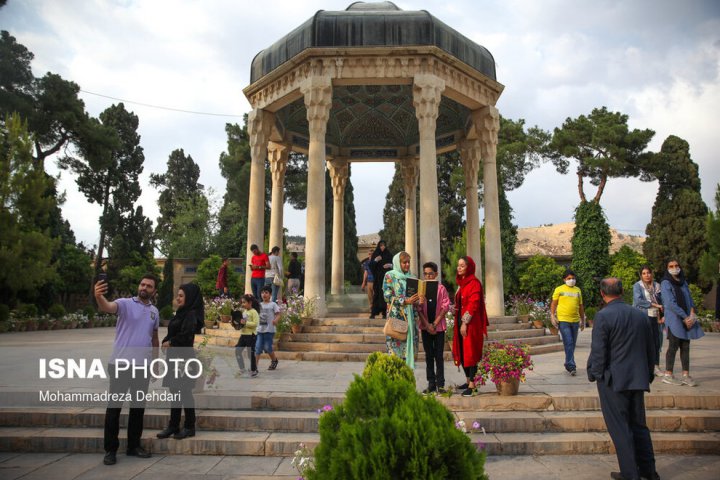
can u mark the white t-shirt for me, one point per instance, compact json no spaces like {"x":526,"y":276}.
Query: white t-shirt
{"x":267,"y":314}
{"x":275,"y":267}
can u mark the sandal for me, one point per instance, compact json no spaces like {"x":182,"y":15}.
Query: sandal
{"x":273,"y":365}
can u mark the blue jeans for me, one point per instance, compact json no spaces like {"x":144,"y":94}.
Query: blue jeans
{"x":264,"y":343}
{"x":256,"y":285}
{"x":569,"y":332}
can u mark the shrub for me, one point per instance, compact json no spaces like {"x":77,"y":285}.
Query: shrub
{"x":590,"y":312}
{"x":166,"y":312}
{"x":27,"y":310}
{"x":89,"y":311}
{"x":56,"y":311}
{"x":4,"y":313}
{"x":539,"y":276}
{"x":391,"y":365}
{"x":697,"y":296}
{"x":386,"y":430}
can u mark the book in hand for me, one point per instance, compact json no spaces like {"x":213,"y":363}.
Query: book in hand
{"x":427,"y":289}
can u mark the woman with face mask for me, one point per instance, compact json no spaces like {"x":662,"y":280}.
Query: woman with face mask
{"x":568,"y":315}
{"x":682,"y":325}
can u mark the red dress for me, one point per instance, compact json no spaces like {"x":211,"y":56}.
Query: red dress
{"x":469,"y":298}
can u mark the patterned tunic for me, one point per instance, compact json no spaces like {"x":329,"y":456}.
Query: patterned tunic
{"x":394,"y":293}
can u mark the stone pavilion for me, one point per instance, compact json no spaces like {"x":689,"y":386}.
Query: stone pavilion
{"x":374,"y":83}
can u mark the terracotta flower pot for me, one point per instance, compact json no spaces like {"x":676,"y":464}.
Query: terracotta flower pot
{"x":553,"y":330}
{"x":295,"y":328}
{"x":225,"y":318}
{"x":508,"y":388}
{"x":538,"y":324}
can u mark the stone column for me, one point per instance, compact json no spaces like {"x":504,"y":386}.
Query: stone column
{"x":338,"y":176}
{"x":317,"y":91}
{"x":427,"y":90}
{"x":259,"y":123}
{"x":470,"y":157}
{"x":487,"y":123}
{"x":410,"y":173}
{"x":277,"y":154}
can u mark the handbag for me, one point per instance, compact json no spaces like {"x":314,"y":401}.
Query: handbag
{"x":396,"y":327}
{"x":277,"y":281}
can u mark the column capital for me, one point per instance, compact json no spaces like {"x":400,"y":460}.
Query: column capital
{"x":487,"y":125}
{"x":410,"y":171}
{"x":259,"y":124}
{"x":470,"y":159}
{"x":427,"y":92}
{"x":339,"y":172}
{"x":278,"y":155}
{"x":317,"y":91}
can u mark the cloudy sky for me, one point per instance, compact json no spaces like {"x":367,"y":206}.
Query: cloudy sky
{"x":657,"y":61}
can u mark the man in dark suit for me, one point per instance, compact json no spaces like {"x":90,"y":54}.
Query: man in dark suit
{"x":621,"y":361}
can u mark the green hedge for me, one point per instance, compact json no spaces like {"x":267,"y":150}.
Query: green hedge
{"x":386,"y":430}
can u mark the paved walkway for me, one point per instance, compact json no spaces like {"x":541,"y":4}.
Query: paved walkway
{"x":19,"y":352}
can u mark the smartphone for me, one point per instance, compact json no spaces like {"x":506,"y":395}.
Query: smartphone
{"x":102,"y":277}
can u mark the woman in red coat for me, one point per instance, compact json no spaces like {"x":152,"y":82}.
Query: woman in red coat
{"x":470,"y":323}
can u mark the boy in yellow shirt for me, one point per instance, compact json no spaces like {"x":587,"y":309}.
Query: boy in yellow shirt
{"x":567,"y":313}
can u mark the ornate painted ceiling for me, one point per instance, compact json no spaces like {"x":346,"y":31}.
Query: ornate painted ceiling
{"x":373,"y":116}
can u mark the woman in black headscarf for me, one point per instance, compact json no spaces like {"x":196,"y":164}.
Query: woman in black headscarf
{"x":179,"y":344}
{"x":380,"y":263}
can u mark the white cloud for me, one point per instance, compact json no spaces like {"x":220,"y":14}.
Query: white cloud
{"x":657,"y":61}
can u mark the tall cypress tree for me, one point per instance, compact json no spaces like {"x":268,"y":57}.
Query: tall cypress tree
{"x":677,"y":228}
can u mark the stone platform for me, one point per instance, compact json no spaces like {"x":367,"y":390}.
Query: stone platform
{"x":266,"y":417}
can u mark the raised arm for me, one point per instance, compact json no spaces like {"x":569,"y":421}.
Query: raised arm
{"x":104,"y":305}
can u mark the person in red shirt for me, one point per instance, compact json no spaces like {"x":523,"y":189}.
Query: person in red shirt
{"x":222,"y":279}
{"x":258,"y":264}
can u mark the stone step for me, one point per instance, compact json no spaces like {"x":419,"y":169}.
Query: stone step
{"x":593,"y":443}
{"x":288,"y":343}
{"x":90,"y":440}
{"x":359,"y":328}
{"x":379,"y":337}
{"x":590,"y":421}
{"x":488,"y":401}
{"x":157,"y":419}
{"x":293,"y":421}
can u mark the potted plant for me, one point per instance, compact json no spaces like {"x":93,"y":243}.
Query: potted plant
{"x":226,"y":309}
{"x":504,"y":364}
{"x":293,"y":311}
{"x":540,"y":315}
{"x":212,"y":312}
{"x":521,"y":306}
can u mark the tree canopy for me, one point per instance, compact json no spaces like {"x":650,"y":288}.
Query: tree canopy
{"x":603,"y":146}
{"x":679,"y":215}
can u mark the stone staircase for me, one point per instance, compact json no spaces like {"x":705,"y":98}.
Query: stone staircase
{"x":272,"y":424}
{"x":347,"y":334}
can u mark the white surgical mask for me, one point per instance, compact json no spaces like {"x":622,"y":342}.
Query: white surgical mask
{"x":674,"y":271}
{"x":570,"y":282}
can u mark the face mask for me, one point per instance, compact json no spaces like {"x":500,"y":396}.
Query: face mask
{"x":674,"y":271}
{"x":570,"y":282}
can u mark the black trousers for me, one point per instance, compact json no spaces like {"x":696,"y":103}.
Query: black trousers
{"x":673,"y":344}
{"x":188,"y":402}
{"x":434,"y":362}
{"x":120,"y":385}
{"x":624,"y":414}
